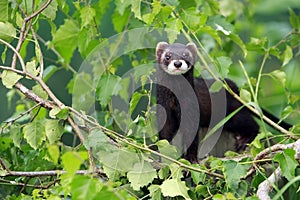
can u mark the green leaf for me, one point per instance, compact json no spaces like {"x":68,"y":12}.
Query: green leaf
{"x":121,"y":6}
{"x":171,"y":2}
{"x":54,"y":130}
{"x":121,"y":160}
{"x":39,"y":91}
{"x":287,"y":55}
{"x":155,"y":192}
{"x":34,"y":133}
{"x":5,"y":143}
{"x":120,"y":21}
{"x":71,"y":161}
{"x":59,"y":113}
{"x":107,"y":194}
{"x":198,"y":177}
{"x":216,"y":86}
{"x":84,"y":40}
{"x":174,"y":27}
{"x":279,"y":75}
{"x":141,"y":175}
{"x":149,"y":17}
{"x":31,"y":68}
{"x":65,"y":39}
{"x":233,"y":172}
{"x":9,"y":78}
{"x":136,"y":8}
{"x":4,"y":10}
{"x":134,"y":101}
{"x":294,"y":19}
{"x":87,"y":15}
{"x":7,"y":31}
{"x":15,"y":135}
{"x":245,"y":95}
{"x":173,"y":188}
{"x":84,"y":187}
{"x":287,"y":163}
{"x":106,"y":88}
{"x":224,"y":64}
{"x":50,"y":11}
{"x":53,"y":151}
{"x":49,"y":71}
{"x":235,"y":38}
{"x":165,"y":148}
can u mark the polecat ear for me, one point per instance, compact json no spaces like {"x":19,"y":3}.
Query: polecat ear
{"x":160,"y":47}
{"x":193,"y":48}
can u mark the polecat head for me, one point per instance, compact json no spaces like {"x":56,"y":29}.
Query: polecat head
{"x":176,"y":59}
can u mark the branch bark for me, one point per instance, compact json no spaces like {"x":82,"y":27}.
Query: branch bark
{"x":266,"y":186}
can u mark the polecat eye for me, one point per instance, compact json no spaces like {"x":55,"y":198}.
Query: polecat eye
{"x":168,"y":57}
{"x":185,"y":56}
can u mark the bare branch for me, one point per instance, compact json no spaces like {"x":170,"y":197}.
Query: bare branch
{"x":24,"y":32}
{"x":17,"y":54}
{"x":266,"y":186}
{"x":51,"y":173}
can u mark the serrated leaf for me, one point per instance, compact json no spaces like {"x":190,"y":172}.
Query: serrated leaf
{"x":173,"y":188}
{"x":287,"y":163}
{"x":9,"y":78}
{"x":84,"y":187}
{"x":7,"y":31}
{"x":191,"y":18}
{"x":59,"y":113}
{"x":50,"y":11}
{"x":141,"y":175}
{"x":233,"y":172}
{"x":287,"y":55}
{"x":106,"y":88}
{"x":165,"y":148}
{"x":136,"y":8}
{"x":149,"y":17}
{"x":54,"y":130}
{"x":65,"y":39}
{"x":216,"y":86}
{"x":87,"y":15}
{"x":31,"y":68}
{"x":174,"y":27}
{"x":34,"y":133}
{"x":279,"y":75}
{"x":121,"y":6}
{"x":53,"y":151}
{"x":155,"y":192}
{"x":245,"y":95}
{"x":121,"y":160}
{"x":224,"y":64}
{"x":71,"y":161}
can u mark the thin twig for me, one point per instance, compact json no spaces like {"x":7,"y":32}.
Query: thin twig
{"x":17,"y":54}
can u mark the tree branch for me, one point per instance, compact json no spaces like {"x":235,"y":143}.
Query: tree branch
{"x":266,"y":186}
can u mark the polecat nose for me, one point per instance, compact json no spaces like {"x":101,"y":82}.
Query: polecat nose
{"x":177,"y":64}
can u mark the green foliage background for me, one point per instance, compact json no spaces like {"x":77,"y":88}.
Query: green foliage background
{"x":44,"y":155}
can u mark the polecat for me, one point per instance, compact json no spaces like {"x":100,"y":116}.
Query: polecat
{"x":178,"y":90}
